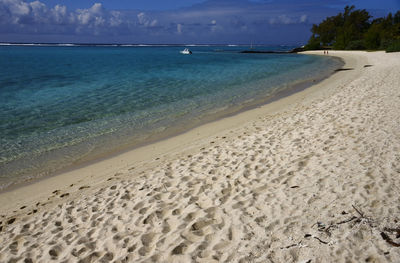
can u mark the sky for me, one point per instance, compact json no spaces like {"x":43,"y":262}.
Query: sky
{"x":172,"y":21}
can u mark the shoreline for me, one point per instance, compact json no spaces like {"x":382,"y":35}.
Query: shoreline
{"x":146,"y":153}
{"x":139,"y":141}
{"x":312,"y":176}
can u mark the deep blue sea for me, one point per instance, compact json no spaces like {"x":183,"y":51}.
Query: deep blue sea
{"x":64,"y":105}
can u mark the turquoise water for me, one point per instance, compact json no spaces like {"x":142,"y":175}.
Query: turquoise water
{"x":64,"y":105}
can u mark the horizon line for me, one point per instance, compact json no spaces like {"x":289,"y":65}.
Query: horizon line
{"x":130,"y":44}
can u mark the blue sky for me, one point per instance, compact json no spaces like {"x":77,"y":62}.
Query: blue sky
{"x":172,"y":21}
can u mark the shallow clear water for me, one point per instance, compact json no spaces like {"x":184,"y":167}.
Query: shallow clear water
{"x":64,"y":105}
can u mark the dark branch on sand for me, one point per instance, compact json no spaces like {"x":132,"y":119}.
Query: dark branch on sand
{"x":358,"y":211}
{"x":389,"y":240}
{"x":323,"y":242}
{"x":347,"y":220}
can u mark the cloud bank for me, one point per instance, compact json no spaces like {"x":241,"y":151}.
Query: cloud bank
{"x":213,"y":21}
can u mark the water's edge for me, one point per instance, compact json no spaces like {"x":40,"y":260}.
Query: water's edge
{"x":175,"y":131}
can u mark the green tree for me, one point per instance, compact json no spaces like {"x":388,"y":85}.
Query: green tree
{"x":396,"y":25}
{"x":340,"y":30}
{"x":355,"y":24}
{"x":396,"y":18}
{"x":327,"y":30}
{"x":353,"y":29}
{"x":372,"y":38}
{"x":313,"y":43}
{"x":383,"y":32}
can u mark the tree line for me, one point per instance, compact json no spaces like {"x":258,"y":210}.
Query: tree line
{"x":356,"y":30}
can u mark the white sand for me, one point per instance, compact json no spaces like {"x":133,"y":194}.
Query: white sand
{"x":314,"y":177}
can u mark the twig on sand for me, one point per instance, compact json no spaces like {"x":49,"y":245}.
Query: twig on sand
{"x":347,"y":220}
{"x":327,"y":229}
{"x":385,"y":236}
{"x":323,"y":242}
{"x":389,"y":240}
{"x":359,"y":212}
{"x":395,"y":230}
{"x":362,"y":218}
{"x":292,"y":245}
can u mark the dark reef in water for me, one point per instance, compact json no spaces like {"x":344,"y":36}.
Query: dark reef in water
{"x":295,"y":50}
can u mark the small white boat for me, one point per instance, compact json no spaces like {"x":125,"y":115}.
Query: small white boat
{"x":186,"y":51}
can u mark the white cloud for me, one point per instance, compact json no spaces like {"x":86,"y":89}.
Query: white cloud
{"x":214,"y":27}
{"x":284,"y":19}
{"x":145,"y":21}
{"x":59,"y":13}
{"x":97,"y":9}
{"x":115,"y":19}
{"x":91,"y":16}
{"x":287,"y":20}
{"x":17,"y":7}
{"x":179,"y":28}
{"x":303,"y":18}
{"x":36,"y":13}
{"x":153,"y":23}
{"x":142,"y":18}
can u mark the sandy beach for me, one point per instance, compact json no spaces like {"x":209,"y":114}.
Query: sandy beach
{"x":313,"y":177}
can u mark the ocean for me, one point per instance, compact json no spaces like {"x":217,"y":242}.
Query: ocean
{"x":62,"y":106}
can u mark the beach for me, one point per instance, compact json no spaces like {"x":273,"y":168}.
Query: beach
{"x":312,"y":177}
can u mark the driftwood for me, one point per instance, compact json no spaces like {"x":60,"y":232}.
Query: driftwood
{"x":323,"y":242}
{"x":359,"y":212}
{"x":389,"y":240}
{"x":357,"y":219}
